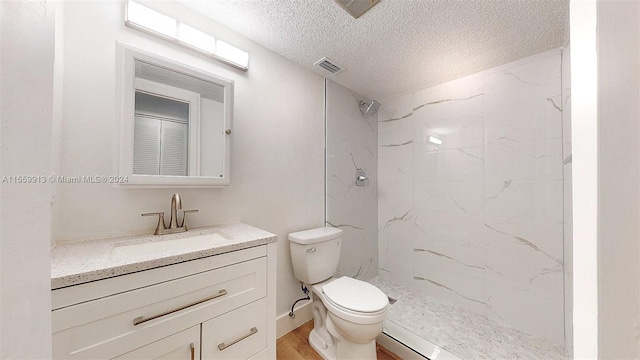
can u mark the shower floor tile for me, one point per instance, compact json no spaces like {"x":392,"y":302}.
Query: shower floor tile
{"x":462,"y":333}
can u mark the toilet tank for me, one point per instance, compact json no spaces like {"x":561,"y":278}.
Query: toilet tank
{"x":315,"y":253}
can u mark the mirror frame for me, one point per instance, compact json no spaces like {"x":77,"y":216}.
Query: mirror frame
{"x":125,"y":70}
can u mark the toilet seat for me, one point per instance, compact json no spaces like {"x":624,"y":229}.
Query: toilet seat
{"x":355,"y":295}
{"x":354,"y":300}
{"x":352,"y":312}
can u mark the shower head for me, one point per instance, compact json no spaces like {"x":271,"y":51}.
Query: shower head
{"x":373,"y":107}
{"x":368,"y":107}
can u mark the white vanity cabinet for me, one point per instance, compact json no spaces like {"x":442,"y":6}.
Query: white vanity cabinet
{"x":237,"y":334}
{"x":216,"y":307}
{"x":183,"y":345}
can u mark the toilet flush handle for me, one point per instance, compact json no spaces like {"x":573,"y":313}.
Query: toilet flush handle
{"x":313,"y":249}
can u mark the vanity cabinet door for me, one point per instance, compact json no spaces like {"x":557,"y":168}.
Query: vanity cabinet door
{"x":238,"y":334}
{"x":184,"y":345}
{"x":106,"y":327}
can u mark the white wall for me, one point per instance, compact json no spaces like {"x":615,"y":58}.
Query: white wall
{"x":477,"y":221}
{"x":27,"y":83}
{"x":277,"y":141}
{"x":618,"y":179}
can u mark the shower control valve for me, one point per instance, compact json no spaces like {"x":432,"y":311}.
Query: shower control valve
{"x":361,"y":178}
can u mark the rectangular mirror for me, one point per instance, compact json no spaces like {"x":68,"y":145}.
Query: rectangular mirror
{"x":175,"y":122}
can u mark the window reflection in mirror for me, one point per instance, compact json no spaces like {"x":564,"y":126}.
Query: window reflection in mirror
{"x":160,"y":139}
{"x":178,"y":123}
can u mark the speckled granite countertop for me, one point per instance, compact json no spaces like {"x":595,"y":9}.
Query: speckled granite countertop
{"x":80,"y":262}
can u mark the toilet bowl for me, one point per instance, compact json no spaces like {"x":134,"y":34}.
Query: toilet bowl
{"x":353,"y":317}
{"x":348,"y":313}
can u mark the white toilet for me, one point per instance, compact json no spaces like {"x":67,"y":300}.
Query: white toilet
{"x":347,"y":313}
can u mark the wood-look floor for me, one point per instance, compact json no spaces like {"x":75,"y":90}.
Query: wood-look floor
{"x":295,"y":345}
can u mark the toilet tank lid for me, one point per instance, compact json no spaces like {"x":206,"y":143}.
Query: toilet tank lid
{"x":315,"y":235}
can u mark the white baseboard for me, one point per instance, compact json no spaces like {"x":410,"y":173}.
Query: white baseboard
{"x":285,"y":324}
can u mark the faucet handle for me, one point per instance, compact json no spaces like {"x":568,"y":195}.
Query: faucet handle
{"x":161,"y":226}
{"x":184,"y":217}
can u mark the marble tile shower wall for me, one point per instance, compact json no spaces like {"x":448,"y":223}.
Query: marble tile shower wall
{"x":568,"y":198}
{"x":352,"y":139}
{"x":477,"y":221}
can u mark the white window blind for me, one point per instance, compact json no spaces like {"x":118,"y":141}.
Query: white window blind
{"x":162,"y":122}
{"x":146,"y":145}
{"x":174,"y":148}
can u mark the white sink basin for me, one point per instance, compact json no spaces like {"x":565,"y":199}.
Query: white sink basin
{"x":173,"y":246}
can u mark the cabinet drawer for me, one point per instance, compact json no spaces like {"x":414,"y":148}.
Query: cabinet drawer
{"x":104,"y":328}
{"x":184,"y":345}
{"x":238,"y":334}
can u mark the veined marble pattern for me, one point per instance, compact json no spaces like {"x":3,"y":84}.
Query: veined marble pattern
{"x":568,"y":213}
{"x":478,"y":221}
{"x":352,"y":145}
{"x":463,"y":333}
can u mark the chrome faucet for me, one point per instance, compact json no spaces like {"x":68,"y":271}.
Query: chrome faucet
{"x":174,"y":227}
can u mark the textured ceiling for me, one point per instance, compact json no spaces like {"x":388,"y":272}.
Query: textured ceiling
{"x":399,"y":45}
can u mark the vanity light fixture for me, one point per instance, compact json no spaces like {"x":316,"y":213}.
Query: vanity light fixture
{"x":435,"y":140}
{"x":232,"y":53}
{"x":145,"y":19}
{"x":196,"y":38}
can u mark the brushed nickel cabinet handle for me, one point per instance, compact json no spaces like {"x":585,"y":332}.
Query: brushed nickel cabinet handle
{"x":193,"y":352}
{"x":141,"y":319}
{"x":223,"y":346}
